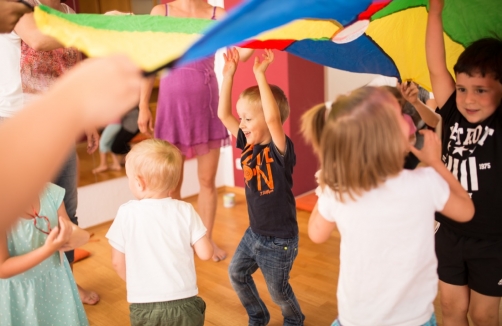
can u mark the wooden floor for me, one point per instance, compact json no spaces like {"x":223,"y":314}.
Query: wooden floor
{"x":87,"y":162}
{"x":313,"y":278}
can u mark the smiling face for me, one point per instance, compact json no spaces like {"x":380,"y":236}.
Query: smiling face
{"x":252,"y":122}
{"x":477,"y":97}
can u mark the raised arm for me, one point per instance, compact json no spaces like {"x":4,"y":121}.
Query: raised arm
{"x":270,"y":109}
{"x":410,"y":93}
{"x":225,"y":104}
{"x":28,"y":31}
{"x":442,"y":82}
{"x":459,"y":206}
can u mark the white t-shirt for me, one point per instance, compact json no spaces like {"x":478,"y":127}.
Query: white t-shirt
{"x":157,"y":236}
{"x":387,"y":259}
{"x":11,"y":90}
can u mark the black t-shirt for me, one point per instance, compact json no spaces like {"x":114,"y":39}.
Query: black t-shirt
{"x":473,"y":153}
{"x":269,"y":178}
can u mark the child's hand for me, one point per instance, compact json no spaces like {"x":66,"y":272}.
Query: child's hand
{"x":409,"y":90}
{"x":261,"y":67}
{"x":59,"y":235}
{"x":430,"y":153}
{"x":436,"y":6}
{"x":231,"y":61}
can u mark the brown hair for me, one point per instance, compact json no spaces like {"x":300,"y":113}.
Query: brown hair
{"x":252,"y":94}
{"x":157,"y":162}
{"x":397,"y":94}
{"x":359,"y":147}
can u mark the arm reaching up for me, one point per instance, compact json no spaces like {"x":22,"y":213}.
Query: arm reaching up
{"x":410,"y":94}
{"x":268,"y":102}
{"x":225,"y":104}
{"x":442,"y":82}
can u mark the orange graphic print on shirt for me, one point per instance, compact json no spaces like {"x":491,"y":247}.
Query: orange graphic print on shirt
{"x":261,"y":171}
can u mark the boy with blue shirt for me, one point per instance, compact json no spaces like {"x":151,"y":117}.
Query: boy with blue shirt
{"x":470,"y":254}
{"x":268,"y":158}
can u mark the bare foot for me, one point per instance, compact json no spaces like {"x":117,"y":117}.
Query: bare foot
{"x":87,"y":297}
{"x":115,"y":167}
{"x":218,"y":254}
{"x":101,"y":168}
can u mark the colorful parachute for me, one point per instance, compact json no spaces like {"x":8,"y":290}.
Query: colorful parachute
{"x":384,"y":37}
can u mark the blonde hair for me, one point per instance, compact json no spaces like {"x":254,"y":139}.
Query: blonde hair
{"x":157,"y":162}
{"x":361,"y":143}
{"x":312,"y":124}
{"x":252,"y":94}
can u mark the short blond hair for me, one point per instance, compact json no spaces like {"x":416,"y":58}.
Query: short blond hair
{"x":361,"y":142}
{"x":252,"y":94}
{"x":157,"y":162}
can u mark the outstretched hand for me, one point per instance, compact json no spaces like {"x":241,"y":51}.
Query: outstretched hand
{"x":430,"y":153}
{"x":261,"y":67}
{"x":231,"y":61}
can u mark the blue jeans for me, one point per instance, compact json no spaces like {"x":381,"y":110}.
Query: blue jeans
{"x":275,"y":257}
{"x":67,"y":179}
{"x":431,"y":322}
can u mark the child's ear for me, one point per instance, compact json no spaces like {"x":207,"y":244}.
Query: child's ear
{"x":140,"y":182}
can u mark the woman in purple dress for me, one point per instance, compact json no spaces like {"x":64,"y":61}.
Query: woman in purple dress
{"x":187,"y":113}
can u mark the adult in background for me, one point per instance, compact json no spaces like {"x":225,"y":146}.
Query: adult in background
{"x":187,"y":113}
{"x":30,"y":63}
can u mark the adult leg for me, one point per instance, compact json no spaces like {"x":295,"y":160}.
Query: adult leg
{"x":484,"y":310}
{"x":240,"y":271}
{"x":275,"y":258}
{"x":67,"y":179}
{"x":207,"y":165}
{"x":454,"y":304}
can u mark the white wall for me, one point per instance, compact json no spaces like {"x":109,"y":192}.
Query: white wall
{"x":99,"y":202}
{"x":339,"y":82}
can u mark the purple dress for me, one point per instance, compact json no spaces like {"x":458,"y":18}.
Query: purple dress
{"x":187,"y":109}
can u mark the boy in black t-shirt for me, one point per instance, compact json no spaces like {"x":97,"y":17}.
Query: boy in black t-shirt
{"x":268,"y":158}
{"x":470,"y":254}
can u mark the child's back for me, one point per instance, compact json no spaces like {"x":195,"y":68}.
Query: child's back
{"x":388,"y":266}
{"x":385,"y":214}
{"x":157,"y":236}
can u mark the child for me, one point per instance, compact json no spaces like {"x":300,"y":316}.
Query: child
{"x":470,"y":255}
{"x":153,"y":240}
{"x":105,"y":144}
{"x":37,"y":285}
{"x":267,"y":159}
{"x":385,"y":214}
{"x":404,"y":94}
